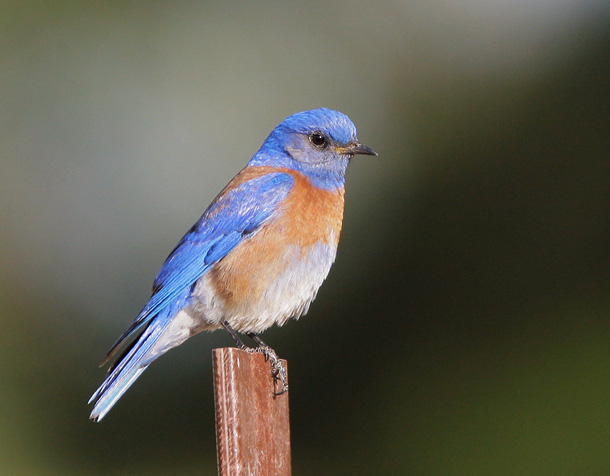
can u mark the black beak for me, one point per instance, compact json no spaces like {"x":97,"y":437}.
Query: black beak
{"x":354,"y":148}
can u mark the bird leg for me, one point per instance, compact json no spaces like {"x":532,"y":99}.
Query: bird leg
{"x":257,"y":340}
{"x":235,"y":337}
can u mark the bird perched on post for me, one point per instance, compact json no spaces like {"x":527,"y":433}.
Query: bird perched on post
{"x":256,"y":257}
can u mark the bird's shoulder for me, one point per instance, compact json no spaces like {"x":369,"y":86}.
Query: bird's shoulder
{"x":308,"y":214}
{"x":264,"y":184}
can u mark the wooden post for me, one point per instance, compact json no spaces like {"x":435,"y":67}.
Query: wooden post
{"x":252,"y":424}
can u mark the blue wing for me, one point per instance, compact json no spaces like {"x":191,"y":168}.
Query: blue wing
{"x":238,"y":212}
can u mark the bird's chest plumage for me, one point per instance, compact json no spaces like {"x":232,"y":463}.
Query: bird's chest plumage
{"x":275,"y":274}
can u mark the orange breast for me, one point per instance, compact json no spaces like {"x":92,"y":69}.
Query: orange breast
{"x":307,"y":217}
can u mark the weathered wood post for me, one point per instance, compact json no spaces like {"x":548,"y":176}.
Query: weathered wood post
{"x":252,"y":424}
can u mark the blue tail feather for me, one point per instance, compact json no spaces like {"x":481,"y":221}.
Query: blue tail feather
{"x":129,"y":366}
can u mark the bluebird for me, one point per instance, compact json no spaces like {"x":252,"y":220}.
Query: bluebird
{"x":256,"y":257}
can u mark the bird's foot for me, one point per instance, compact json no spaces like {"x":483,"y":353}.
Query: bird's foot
{"x":278,"y":371}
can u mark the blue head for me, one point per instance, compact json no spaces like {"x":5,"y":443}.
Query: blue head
{"x":319,"y":143}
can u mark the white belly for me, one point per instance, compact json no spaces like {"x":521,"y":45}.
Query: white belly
{"x":287,"y":295}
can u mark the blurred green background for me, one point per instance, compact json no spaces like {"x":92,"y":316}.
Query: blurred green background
{"x":464,"y":329}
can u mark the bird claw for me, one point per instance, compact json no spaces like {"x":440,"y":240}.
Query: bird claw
{"x":278,"y":371}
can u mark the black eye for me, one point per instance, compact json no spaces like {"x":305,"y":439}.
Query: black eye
{"x":319,"y":140}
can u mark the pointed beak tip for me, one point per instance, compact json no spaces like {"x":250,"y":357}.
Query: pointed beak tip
{"x":357,"y":148}
{"x":364,"y":150}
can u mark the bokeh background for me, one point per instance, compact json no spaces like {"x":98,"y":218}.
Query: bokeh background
{"x":465,"y":328}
